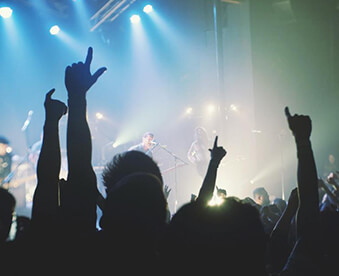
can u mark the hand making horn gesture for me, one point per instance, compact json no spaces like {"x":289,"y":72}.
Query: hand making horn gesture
{"x":78,"y":77}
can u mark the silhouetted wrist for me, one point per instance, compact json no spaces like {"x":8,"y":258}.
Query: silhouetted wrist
{"x":214,"y":163}
{"x":303,"y":142}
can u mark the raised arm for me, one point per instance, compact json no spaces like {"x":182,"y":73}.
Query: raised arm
{"x":208,"y":185}
{"x":278,"y":245}
{"x":78,"y":80}
{"x":81,"y":192}
{"x":308,"y":211}
{"x":45,"y":200}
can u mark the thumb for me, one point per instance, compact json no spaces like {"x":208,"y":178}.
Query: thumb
{"x":49,"y":94}
{"x":98,"y":73}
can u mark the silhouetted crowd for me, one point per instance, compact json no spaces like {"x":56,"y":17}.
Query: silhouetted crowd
{"x":138,"y":235}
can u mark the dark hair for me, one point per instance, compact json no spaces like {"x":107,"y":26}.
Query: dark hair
{"x":4,"y":140}
{"x":148,"y":134}
{"x":231,"y":233}
{"x":259,"y":191}
{"x":200,"y":133}
{"x":126,"y":163}
{"x":136,"y":201}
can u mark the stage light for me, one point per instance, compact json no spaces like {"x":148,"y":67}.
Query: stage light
{"x":211,"y":108}
{"x":216,"y":201}
{"x":115,"y":145}
{"x":9,"y":149}
{"x":6,"y":12}
{"x":54,"y":30}
{"x":135,"y":19}
{"x":189,"y":110}
{"x":148,"y":9}
{"x":233,"y":107}
{"x":99,"y":116}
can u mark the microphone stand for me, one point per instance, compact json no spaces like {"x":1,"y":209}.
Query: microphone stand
{"x":25,"y":159}
{"x":176,"y":158}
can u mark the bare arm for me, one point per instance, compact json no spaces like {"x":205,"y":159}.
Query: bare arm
{"x":79,"y":199}
{"x":45,"y":201}
{"x":278,"y":247}
{"x":208,"y":185}
{"x":308,"y":211}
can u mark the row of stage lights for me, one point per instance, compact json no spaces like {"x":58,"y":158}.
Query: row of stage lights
{"x":6,"y":12}
{"x":209,"y":110}
{"x":135,"y":18}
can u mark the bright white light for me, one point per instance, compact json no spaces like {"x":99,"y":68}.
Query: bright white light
{"x":233,"y":107}
{"x":135,"y":19}
{"x":54,"y":30}
{"x":148,"y":9}
{"x":189,"y":110}
{"x":211,"y":108}
{"x":99,"y":116}
{"x":216,"y":200}
{"x":5,"y":12}
{"x":115,"y":145}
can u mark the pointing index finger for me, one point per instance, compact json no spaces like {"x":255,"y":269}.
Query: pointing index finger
{"x":89,"y":56}
{"x":215,"y":142}
{"x":287,"y":112}
{"x":50,"y":93}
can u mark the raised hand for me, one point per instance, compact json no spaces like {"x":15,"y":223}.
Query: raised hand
{"x":167,"y":191}
{"x":217,"y":153}
{"x":300,"y":125}
{"x":78,"y":77}
{"x":55,"y":109}
{"x":293,"y":200}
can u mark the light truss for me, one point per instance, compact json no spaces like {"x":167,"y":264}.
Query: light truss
{"x":110,"y":11}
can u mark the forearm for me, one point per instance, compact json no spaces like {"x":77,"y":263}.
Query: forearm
{"x":307,"y":186}
{"x":79,"y":198}
{"x":48,"y":169}
{"x":79,"y":145}
{"x":282,"y":227}
{"x":49,"y":161}
{"x":208,"y":185}
{"x":278,"y":245}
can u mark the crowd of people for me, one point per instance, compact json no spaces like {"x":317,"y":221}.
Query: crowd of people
{"x":138,"y":234}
